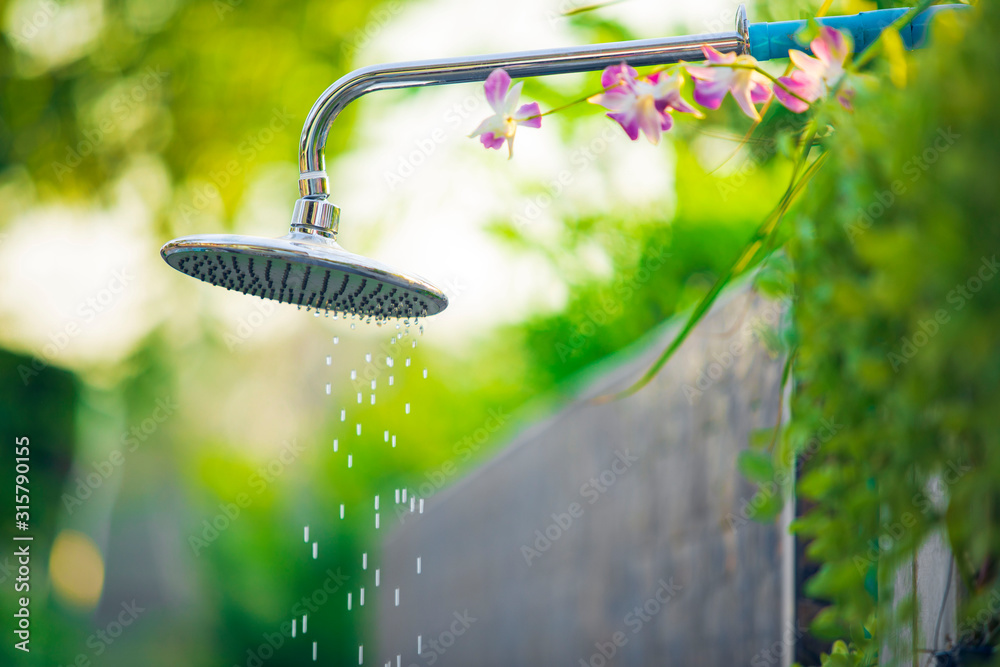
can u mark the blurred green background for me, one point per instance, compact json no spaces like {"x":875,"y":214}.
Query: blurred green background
{"x":153,"y":402}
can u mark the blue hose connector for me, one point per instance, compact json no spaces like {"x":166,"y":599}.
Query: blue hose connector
{"x":773,"y":40}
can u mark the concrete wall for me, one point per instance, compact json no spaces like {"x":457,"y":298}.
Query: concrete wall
{"x":651,"y":532}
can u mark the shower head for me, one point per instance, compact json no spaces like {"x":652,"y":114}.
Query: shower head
{"x":306,"y":267}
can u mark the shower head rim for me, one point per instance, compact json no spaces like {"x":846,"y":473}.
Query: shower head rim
{"x":302,"y":248}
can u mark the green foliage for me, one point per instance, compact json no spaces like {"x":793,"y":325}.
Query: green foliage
{"x":842,"y":655}
{"x":897,"y":309}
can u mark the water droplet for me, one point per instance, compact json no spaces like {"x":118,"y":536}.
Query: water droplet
{"x":391,"y":380}
{"x":373,"y":399}
{"x":361,"y":655}
{"x":407,"y":362}
{"x":397,"y":597}
{"x":390,"y":362}
{"x":315,"y":550}
{"x":315,"y":649}
{"x":305,"y":623}
{"x":411,"y":503}
{"x":392,"y":341}
{"x":341,"y":510}
{"x":376,"y":520}
{"x":393,"y":441}
{"x":425,"y":373}
{"x":421,"y":505}
{"x":376,"y":502}
{"x":376,"y":577}
{"x":348,"y":602}
{"x":350,"y":460}
{"x":293,"y":627}
{"x":335,"y":443}
{"x":354,"y":374}
{"x":373,"y":385}
{"x":343,"y":415}
{"x":329,"y":388}
{"x":306,"y":531}
{"x":329,"y":360}
{"x":359,"y":429}
{"x":368,"y":357}
{"x":404,"y":495}
{"x":352,"y":325}
{"x":387,"y":436}
{"x":361,"y":598}
{"x":418,"y":564}
{"x":336,"y":339}
{"x":414,"y":343}
{"x":407,"y":408}
{"x":359,"y":397}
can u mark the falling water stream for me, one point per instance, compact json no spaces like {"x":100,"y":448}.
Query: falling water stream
{"x":350,"y":440}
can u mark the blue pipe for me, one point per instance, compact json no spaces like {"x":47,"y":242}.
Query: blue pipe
{"x":773,"y":40}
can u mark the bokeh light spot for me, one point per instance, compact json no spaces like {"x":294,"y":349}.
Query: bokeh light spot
{"x":76,"y":569}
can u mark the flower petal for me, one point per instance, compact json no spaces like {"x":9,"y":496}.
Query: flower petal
{"x":628,"y":122}
{"x":513,"y":95}
{"x":614,"y":99}
{"x":759,"y":92}
{"x":831,"y":46}
{"x":814,"y":67}
{"x":743,"y":98}
{"x":496,"y":86}
{"x":677,"y":103}
{"x":529,"y":115}
{"x":664,"y":85}
{"x":789,"y":101}
{"x":623,"y":73}
{"x":491,"y":140}
{"x":710,"y":93}
{"x":716,"y":58}
{"x":494,"y":124}
{"x":650,"y":124}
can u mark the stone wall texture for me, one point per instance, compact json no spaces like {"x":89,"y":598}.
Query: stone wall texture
{"x":604,"y":530}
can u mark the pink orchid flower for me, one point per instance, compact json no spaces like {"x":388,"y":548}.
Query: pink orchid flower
{"x":641,"y":104}
{"x":501,"y":126}
{"x":747,"y":86}
{"x":815,"y":76}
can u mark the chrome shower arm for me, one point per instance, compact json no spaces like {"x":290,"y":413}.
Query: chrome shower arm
{"x":313,"y":182}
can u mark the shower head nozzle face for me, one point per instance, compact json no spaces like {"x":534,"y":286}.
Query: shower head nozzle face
{"x":306,"y":270}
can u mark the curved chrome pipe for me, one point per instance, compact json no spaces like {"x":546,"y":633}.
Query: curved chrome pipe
{"x":313,"y":181}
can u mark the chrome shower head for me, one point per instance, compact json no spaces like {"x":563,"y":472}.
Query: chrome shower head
{"x":306,"y":267}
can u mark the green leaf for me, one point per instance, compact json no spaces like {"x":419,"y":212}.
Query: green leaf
{"x":755,"y":466}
